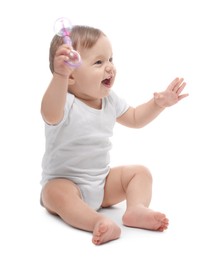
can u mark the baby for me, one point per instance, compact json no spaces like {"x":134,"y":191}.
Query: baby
{"x":80,"y":109}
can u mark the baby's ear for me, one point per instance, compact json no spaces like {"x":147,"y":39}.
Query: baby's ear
{"x":71,"y":80}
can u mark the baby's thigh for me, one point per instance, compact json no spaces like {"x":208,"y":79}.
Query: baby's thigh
{"x":59,"y":192}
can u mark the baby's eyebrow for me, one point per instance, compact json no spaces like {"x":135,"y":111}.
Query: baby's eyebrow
{"x":99,"y":57}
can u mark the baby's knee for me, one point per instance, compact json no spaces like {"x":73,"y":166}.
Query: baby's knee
{"x":135,"y":174}
{"x":143,"y":172}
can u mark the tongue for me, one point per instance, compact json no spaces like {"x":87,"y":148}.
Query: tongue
{"x":106,"y":81}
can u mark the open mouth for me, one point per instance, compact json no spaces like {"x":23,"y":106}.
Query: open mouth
{"x":107,"y":82}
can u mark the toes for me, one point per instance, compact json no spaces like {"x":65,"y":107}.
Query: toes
{"x":97,"y":236}
{"x":164,"y":225}
{"x":162,"y":222}
{"x":96,"y":241}
{"x":105,"y":232}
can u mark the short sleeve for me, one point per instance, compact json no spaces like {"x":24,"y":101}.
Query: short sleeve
{"x":68,"y":105}
{"x":69,"y":102}
{"x":120,"y":104}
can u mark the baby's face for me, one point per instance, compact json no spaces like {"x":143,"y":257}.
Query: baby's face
{"x":96,"y":75}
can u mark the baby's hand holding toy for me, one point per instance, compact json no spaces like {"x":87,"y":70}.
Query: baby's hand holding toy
{"x":62,"y":28}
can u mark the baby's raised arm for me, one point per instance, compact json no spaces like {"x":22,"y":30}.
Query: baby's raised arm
{"x":53,"y":102}
{"x":143,"y":114}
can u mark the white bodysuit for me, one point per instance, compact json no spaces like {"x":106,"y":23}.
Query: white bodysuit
{"x":78,"y":147}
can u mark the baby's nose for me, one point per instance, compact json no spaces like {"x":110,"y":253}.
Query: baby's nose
{"x":110,"y":68}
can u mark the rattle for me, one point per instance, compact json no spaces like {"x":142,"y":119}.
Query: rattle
{"x":62,"y":28}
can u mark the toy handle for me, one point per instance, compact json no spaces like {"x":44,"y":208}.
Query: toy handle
{"x":67,"y":40}
{"x":62,"y":28}
{"x":74,"y":56}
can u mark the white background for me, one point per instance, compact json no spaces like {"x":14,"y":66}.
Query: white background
{"x":153,"y":42}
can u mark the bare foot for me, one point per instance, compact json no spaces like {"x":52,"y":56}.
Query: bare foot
{"x":142,"y":217}
{"x":105,"y":230}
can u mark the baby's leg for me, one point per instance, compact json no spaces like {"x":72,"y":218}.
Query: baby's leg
{"x":62,"y":197}
{"x":134,"y":183}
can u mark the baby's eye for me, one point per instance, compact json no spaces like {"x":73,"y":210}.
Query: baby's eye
{"x":98,"y":62}
{"x":111,"y":60}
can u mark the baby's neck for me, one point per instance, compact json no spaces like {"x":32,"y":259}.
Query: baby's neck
{"x":95,"y":103}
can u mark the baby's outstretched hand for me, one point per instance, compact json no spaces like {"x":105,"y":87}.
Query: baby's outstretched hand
{"x":172,"y":94}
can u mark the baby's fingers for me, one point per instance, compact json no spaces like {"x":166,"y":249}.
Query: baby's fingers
{"x":63,"y":50}
{"x":179,"y":89}
{"x":175,"y":84}
{"x":182,"y":96}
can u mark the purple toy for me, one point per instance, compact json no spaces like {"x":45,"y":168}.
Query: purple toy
{"x":62,"y":28}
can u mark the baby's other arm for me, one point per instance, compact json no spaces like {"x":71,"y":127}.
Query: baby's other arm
{"x":143,"y":114}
